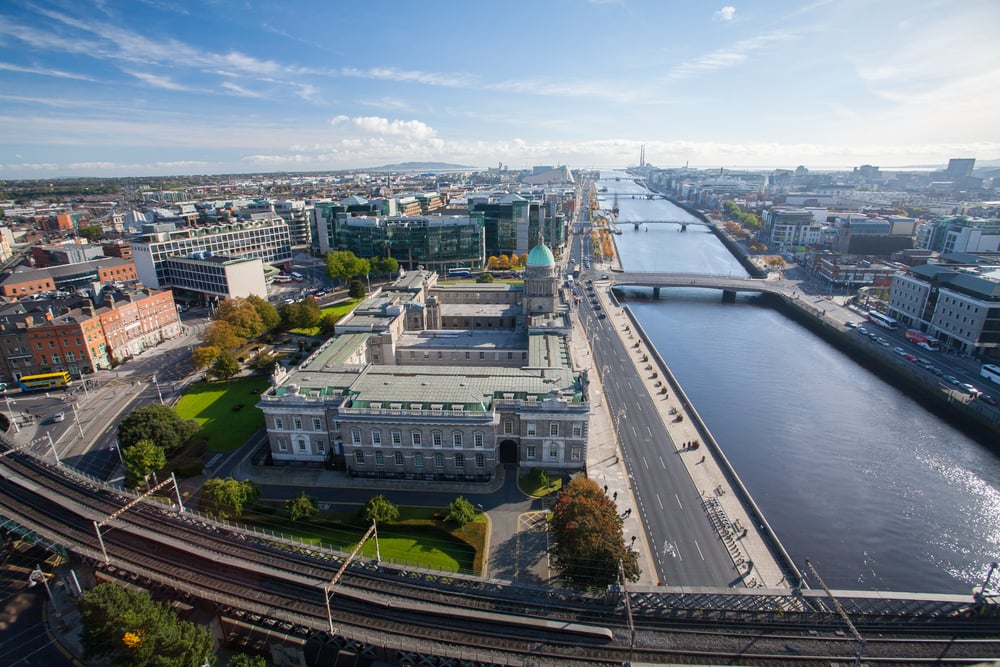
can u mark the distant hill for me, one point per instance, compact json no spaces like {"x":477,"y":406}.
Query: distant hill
{"x":423,"y":166}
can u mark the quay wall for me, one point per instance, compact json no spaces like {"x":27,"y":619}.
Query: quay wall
{"x":782,"y":556}
{"x":972,"y":417}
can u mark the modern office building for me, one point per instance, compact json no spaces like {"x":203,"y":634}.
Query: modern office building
{"x":512,"y":222}
{"x":790,"y":227}
{"x":161,"y":252}
{"x":398,"y":394}
{"x":959,"y":234}
{"x":959,"y":306}
{"x":436,"y":243}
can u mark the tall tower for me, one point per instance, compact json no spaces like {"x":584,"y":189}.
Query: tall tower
{"x":642,"y":155}
{"x":541,"y":282}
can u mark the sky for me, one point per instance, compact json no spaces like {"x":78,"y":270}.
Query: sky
{"x":168,"y":87}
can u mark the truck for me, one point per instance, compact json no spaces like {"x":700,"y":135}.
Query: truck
{"x":576,"y":270}
{"x":923,"y":340}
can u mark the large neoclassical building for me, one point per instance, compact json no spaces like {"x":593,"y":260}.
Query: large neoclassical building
{"x":439,"y":382}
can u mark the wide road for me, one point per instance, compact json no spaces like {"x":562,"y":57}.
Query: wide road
{"x":685,"y":548}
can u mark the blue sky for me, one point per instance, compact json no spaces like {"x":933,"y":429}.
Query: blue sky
{"x":155,"y":87}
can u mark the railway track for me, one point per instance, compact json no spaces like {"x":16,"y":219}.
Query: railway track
{"x":272,"y":583}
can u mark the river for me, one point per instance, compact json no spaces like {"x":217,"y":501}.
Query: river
{"x":878,"y":493}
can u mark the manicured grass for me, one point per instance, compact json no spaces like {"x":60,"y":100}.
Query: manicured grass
{"x":338,"y":309}
{"x":535,"y":484}
{"x":224,"y":426}
{"x":419,"y":539}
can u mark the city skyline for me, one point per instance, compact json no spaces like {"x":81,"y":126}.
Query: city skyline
{"x":159,"y":88}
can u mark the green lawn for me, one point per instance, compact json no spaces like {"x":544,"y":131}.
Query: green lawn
{"x":224,"y":426}
{"x":535,"y":484}
{"x":418,"y":539}
{"x":339,"y":309}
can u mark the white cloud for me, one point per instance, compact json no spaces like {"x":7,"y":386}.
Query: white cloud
{"x":44,"y":72}
{"x":730,"y":57}
{"x":727,"y":13}
{"x":408,"y":129}
{"x":239,"y":90}
{"x":158,"y":81}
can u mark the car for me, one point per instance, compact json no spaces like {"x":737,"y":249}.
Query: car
{"x":882,"y":341}
{"x":951,"y":379}
{"x":604,"y":276}
{"x":910,"y":357}
{"x":597,"y":306}
{"x":986,"y":398}
{"x":59,"y":416}
{"x":898,"y":350}
{"x":602,"y":316}
{"x":972,"y":390}
{"x":862,"y":331}
{"x":850,"y":324}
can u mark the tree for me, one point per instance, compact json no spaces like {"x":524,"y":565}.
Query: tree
{"x":589,"y":546}
{"x":385,"y":266}
{"x":269,"y":316}
{"x":328,"y":325}
{"x":242,"y":315}
{"x":356,"y":290}
{"x":380,"y":510}
{"x":244,"y":660}
{"x":344,"y":264}
{"x":225,"y":366}
{"x":223,"y":335}
{"x":227,"y":498}
{"x":92,"y":233}
{"x":158,"y":423}
{"x":142,"y":459}
{"x":263,"y":363}
{"x":301,"y":315}
{"x":302,"y":506}
{"x":204,"y":355}
{"x":460,"y":511}
{"x":130,"y":629}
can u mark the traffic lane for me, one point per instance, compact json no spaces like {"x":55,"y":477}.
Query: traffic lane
{"x":672,"y":533}
{"x":685,"y":548}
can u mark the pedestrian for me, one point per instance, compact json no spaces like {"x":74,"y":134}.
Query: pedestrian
{"x":702,"y":460}
{"x":615,"y":496}
{"x":605,"y":489}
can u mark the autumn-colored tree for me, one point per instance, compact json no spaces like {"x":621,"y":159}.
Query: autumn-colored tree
{"x":589,"y":546}
{"x":242,"y":315}
{"x":223,"y":335}
{"x":204,"y":355}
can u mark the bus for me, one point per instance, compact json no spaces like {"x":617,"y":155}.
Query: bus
{"x":297,"y":277}
{"x":282,"y":278}
{"x":45,"y":381}
{"x":883,"y":321}
{"x":459,"y":272}
{"x":991,"y":373}
{"x":923,"y":340}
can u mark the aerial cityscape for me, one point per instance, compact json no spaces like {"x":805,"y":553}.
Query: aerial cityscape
{"x":589,"y":332}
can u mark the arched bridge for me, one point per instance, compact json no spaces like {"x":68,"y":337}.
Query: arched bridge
{"x":725,"y":283}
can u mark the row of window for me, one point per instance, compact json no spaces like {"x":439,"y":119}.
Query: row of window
{"x":396,"y":437}
{"x":416,"y":438}
{"x":398,"y":460}
{"x":495,"y":356}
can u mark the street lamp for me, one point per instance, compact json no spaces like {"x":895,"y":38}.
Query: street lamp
{"x":37,"y":575}
{"x":158,"y":392}
{"x":10,"y":411}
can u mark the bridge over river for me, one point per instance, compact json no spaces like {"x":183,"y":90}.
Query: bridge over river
{"x":729,"y":285}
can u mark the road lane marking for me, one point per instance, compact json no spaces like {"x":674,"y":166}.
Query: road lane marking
{"x":644,"y":463}
{"x":662,"y":463}
{"x":678,"y":501}
{"x":659,"y":501}
{"x":699,"y":550}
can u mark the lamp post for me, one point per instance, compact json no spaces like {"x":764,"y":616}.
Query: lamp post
{"x":76,"y":416}
{"x":37,"y":575}
{"x":10,"y":411}
{"x":158,"y":392}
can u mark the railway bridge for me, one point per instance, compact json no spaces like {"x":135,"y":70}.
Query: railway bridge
{"x":275,"y":585}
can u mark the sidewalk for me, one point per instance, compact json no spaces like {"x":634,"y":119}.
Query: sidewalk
{"x":723,"y":505}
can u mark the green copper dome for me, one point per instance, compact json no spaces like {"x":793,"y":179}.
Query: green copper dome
{"x":540,"y":255}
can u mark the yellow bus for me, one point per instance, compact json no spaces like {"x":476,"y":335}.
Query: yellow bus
{"x":45,"y":381}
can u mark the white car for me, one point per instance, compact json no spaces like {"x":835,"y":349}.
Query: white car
{"x":59,"y":416}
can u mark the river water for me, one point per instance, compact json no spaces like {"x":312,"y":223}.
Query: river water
{"x":875,"y":491}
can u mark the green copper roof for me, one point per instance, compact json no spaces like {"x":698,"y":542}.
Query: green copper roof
{"x":540,"y":255}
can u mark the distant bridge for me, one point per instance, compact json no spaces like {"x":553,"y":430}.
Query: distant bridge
{"x":684,"y":223}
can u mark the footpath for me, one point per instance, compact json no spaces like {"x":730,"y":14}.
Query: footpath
{"x":726,"y":507}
